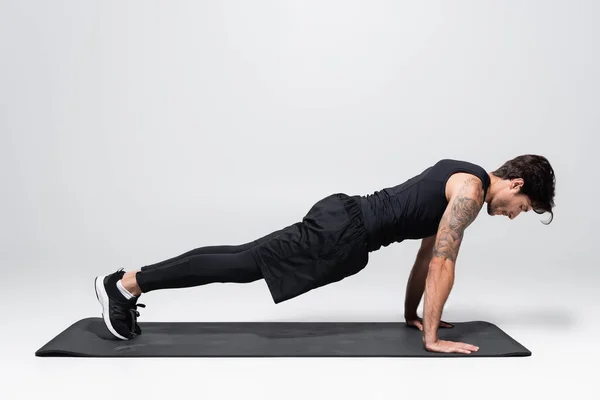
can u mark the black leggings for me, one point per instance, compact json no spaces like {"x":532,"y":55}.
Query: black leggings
{"x":209,"y":264}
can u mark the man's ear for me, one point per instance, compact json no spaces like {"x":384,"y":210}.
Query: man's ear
{"x":517,"y":183}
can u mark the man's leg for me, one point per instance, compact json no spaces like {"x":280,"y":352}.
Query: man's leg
{"x":118,"y":297}
{"x":195,"y":270}
{"x":241,"y":269}
{"x":205,"y":269}
{"x":118,"y":292}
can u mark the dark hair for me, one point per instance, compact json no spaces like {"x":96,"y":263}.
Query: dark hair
{"x":538,"y":177}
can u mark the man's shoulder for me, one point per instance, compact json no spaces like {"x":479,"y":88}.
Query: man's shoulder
{"x":450,"y":166}
{"x":462,"y":178}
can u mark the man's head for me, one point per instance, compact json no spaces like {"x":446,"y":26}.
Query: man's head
{"x":524,"y":183}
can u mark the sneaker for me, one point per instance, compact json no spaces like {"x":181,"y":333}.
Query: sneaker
{"x":119,"y":314}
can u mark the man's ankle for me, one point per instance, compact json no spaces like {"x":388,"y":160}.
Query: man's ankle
{"x":129,"y":282}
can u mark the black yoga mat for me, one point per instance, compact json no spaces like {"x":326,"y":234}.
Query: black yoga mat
{"x":90,"y":338}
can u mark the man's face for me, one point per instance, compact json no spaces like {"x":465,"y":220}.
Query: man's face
{"x":509,"y":201}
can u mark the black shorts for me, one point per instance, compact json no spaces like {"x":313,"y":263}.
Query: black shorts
{"x":328,"y":245}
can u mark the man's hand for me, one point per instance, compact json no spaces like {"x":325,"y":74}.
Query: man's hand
{"x":441,"y":346}
{"x":417,"y":322}
{"x":445,"y":346}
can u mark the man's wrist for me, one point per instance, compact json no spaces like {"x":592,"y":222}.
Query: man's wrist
{"x":428,"y":339}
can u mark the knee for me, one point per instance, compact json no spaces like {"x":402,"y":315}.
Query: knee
{"x":248,"y":270}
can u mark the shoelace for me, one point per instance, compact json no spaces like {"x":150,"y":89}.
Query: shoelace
{"x":123,"y":311}
{"x":134,"y":314}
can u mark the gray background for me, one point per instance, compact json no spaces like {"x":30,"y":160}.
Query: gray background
{"x":134,"y":131}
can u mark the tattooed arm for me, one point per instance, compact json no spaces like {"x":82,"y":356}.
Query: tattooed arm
{"x":463,"y":207}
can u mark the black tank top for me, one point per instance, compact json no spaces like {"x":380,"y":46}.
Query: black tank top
{"x":413,"y":209}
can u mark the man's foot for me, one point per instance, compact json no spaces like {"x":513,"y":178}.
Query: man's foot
{"x":119,"y":313}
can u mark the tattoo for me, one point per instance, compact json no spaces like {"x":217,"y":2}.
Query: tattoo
{"x":462,"y":210}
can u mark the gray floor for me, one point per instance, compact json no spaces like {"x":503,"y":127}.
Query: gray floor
{"x":560,"y":331}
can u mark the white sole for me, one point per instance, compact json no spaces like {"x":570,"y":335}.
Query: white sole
{"x":102,"y":297}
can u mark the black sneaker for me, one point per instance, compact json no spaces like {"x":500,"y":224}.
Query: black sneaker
{"x":119,"y":314}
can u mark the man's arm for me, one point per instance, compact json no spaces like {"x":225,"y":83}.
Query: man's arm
{"x":416,"y":279}
{"x":461,"y":211}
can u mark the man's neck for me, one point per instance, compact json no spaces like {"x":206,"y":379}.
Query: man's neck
{"x":493,"y":189}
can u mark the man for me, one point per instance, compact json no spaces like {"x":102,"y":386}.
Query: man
{"x":334,"y":239}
